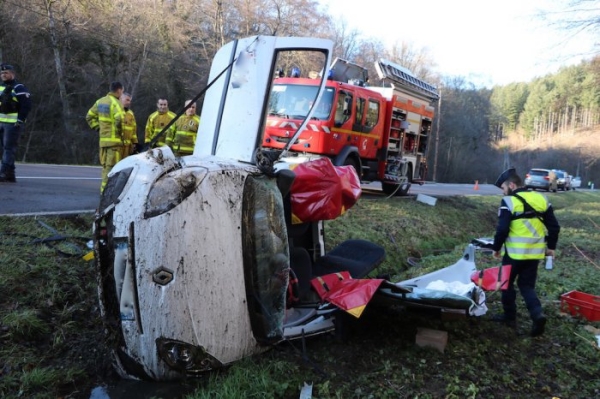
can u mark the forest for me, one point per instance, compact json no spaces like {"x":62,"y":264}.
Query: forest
{"x":67,"y":53}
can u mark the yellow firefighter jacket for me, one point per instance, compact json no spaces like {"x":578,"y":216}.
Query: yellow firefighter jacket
{"x":156,"y":123}
{"x":106,"y":116}
{"x":129,"y":128}
{"x":186,"y":129}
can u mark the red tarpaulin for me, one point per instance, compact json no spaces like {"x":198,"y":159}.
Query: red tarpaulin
{"x":345,"y":292}
{"x":322,"y":191}
{"x":493,"y":278}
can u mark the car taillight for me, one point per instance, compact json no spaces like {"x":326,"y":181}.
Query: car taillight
{"x":527,"y":176}
{"x":546,"y":178}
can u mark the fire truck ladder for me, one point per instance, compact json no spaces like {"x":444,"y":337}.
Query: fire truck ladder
{"x":401,"y":76}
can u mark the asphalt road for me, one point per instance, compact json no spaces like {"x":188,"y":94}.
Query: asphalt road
{"x":437,"y":189}
{"x":51,"y":189}
{"x":63,"y":189}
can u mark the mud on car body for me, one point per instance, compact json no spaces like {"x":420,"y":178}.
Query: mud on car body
{"x":193,"y":254}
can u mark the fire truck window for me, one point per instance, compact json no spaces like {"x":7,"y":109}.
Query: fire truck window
{"x":323,"y":109}
{"x":302,"y":106}
{"x":372,"y":114}
{"x":343,"y":108}
{"x":360,"y":110}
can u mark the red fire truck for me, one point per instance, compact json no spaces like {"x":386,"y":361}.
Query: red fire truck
{"x":382,"y":131}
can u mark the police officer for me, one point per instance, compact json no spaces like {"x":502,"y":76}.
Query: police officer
{"x":528,"y":231}
{"x":106,"y":117}
{"x":15,"y":104}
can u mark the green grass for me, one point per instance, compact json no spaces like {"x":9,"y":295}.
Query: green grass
{"x":51,"y":334}
{"x":25,"y":324}
{"x":49,"y":320}
{"x":482,"y":360}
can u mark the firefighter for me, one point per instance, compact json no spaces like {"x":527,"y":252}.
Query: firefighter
{"x":528,"y":231}
{"x":130,"y":139}
{"x":157,"y":122}
{"x":186,"y":129}
{"x":15,"y":104}
{"x":106,"y":117}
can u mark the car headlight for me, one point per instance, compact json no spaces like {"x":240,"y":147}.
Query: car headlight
{"x":172,"y":188}
{"x":114,"y":187}
{"x":185,"y":357}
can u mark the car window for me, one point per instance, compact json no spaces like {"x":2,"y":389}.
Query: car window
{"x":538,"y":173}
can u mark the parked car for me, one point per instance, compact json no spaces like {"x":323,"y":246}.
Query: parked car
{"x":563,"y":180}
{"x":538,"y":179}
{"x":576,"y":182}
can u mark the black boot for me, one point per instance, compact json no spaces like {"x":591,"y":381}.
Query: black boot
{"x":7,"y":177}
{"x":508,"y":321}
{"x":539,"y":325}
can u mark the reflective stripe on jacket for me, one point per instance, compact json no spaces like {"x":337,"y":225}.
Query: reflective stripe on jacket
{"x":20,"y":102}
{"x":107,"y":116}
{"x":156,"y":123}
{"x":527,"y":236}
{"x":185,"y":135}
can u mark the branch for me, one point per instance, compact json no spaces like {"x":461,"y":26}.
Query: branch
{"x":588,"y":259}
{"x":589,"y":341}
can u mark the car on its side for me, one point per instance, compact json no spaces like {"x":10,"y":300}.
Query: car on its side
{"x":538,"y":178}
{"x":563,"y":179}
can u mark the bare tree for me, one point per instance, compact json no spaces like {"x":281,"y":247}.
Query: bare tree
{"x":55,"y":42}
{"x":346,"y":41}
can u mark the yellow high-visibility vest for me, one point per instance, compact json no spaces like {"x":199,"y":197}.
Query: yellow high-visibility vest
{"x":527,"y":236}
{"x":10,"y":117}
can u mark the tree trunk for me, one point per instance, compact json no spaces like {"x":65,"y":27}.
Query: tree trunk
{"x":62,"y":89}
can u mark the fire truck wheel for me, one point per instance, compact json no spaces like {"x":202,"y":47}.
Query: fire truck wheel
{"x":351,"y":161}
{"x":393,"y":189}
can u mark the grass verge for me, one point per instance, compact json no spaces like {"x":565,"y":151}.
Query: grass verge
{"x":51,"y":334}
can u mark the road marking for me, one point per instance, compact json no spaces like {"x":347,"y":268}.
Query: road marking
{"x":60,"y":178}
{"x":54,"y":213}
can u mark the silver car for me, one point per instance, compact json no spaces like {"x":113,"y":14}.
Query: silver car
{"x":538,"y":179}
{"x":563,"y":179}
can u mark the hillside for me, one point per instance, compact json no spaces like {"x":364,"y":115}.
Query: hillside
{"x":572,"y":151}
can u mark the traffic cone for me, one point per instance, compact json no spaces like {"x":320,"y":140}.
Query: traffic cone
{"x":476,"y":185}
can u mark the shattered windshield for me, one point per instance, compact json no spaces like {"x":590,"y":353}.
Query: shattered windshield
{"x":293,"y":101}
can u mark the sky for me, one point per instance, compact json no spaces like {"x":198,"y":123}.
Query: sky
{"x":488,"y":42}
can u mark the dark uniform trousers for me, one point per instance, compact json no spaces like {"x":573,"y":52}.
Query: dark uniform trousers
{"x":525,"y":274}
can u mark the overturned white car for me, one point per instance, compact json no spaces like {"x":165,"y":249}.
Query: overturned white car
{"x":199,"y":261}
